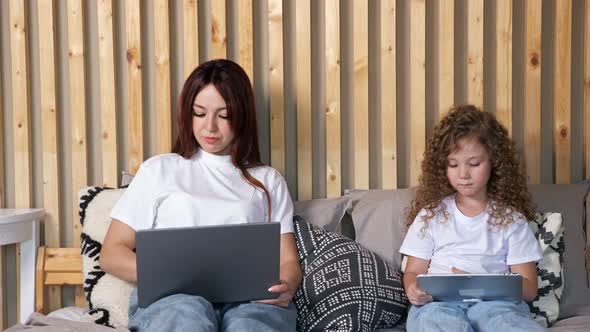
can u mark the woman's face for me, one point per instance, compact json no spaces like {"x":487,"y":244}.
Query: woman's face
{"x":210,"y":122}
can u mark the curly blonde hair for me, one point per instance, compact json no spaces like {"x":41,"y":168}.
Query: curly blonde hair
{"x":507,"y":190}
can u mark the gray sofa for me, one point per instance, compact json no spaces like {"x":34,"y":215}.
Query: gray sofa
{"x":375,"y":219}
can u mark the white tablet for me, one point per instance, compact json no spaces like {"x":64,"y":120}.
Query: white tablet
{"x":472,"y":287}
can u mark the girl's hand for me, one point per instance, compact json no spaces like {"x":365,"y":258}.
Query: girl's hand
{"x":416,"y":295}
{"x":456,"y":270}
{"x":285,"y":295}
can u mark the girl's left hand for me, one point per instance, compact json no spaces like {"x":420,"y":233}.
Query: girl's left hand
{"x":456,"y":270}
{"x":285,"y":295}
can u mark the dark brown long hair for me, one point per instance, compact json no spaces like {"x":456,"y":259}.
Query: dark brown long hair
{"x":506,"y":187}
{"x":234,"y":86}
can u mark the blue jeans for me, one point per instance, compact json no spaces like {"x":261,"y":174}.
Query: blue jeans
{"x":481,"y":316}
{"x":181,"y":312}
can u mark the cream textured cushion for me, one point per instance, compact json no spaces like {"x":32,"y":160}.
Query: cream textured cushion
{"x":107,"y":296}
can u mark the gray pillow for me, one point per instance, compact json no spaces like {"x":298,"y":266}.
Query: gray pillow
{"x":568,"y":199}
{"x":379,"y":218}
{"x":325,"y":213}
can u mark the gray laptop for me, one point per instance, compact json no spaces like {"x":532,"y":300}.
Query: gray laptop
{"x":223,"y":264}
{"x":472,"y":287}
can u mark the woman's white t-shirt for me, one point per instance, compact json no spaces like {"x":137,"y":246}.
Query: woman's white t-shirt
{"x":470,"y":243}
{"x":207,"y":189}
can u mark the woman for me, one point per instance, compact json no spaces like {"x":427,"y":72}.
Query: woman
{"x":214,"y":176}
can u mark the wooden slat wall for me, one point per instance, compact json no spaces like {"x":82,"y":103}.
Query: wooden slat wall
{"x":388,"y":96}
{"x":361,"y":94}
{"x":562,"y":88}
{"x":2,"y":267}
{"x":417,"y":87}
{"x":504,"y":62}
{"x":49,"y":119}
{"x":475,"y":79}
{"x":107,"y":92}
{"x":446,"y":52}
{"x":116,"y":97}
{"x":134,"y":88}
{"x":162,"y":79}
{"x":190,"y":34}
{"x":303,"y":59}
{"x":332,"y":30}
{"x":277,"y":94}
{"x":21,"y":113}
{"x":532,"y":89}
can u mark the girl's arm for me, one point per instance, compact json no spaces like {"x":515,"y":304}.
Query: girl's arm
{"x":117,"y":256}
{"x":414,"y":267}
{"x":290,"y":272}
{"x":529,"y":279}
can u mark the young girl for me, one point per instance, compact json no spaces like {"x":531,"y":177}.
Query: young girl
{"x":214,"y":176}
{"x":470,"y":216}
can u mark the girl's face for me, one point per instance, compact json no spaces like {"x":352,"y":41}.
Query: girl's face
{"x":210,"y":122}
{"x":469,"y":168}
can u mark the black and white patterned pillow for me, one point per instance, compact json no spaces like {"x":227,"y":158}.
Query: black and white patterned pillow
{"x":548,"y":230}
{"x":345,"y":286}
{"x":107,"y":296}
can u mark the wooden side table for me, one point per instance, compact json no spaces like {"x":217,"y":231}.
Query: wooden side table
{"x":22,"y":226}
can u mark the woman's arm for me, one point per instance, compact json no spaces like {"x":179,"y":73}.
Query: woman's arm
{"x":529,"y":279}
{"x":414,"y":267}
{"x":290,"y":272}
{"x":117,"y":256}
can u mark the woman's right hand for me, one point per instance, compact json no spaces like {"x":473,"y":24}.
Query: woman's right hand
{"x":117,"y":256}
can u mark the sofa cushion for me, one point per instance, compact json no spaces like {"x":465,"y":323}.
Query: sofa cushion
{"x":345,"y":286}
{"x":548,"y":230}
{"x":107,"y":296}
{"x":379,"y":218}
{"x":569,"y":200}
{"x":325,"y":213}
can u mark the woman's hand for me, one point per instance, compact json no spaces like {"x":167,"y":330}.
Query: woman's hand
{"x":285,"y":295}
{"x":290,"y":273}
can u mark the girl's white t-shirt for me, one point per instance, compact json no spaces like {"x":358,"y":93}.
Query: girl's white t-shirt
{"x":207,"y":189}
{"x":470,"y":243}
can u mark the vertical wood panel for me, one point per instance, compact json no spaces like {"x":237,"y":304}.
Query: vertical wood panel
{"x":388,"y":96}
{"x":2,"y":198}
{"x":49,"y":120}
{"x":20,"y":104}
{"x":191,"y":36}
{"x":78,"y":122}
{"x":134,"y":73}
{"x":587,"y":97}
{"x":586,"y":116}
{"x":361,"y":94}
{"x":417,"y":87}
{"x":446,"y":56}
{"x":277,"y":98}
{"x":162,"y":54}
{"x":504,"y":63}
{"x":532,"y":90}
{"x":475,"y":52}
{"x":107,"y":95}
{"x":21,"y":115}
{"x":218,"y":29}
{"x":303,"y":45}
{"x":246,"y":37}
{"x":562,"y":84}
{"x":333,"y":162}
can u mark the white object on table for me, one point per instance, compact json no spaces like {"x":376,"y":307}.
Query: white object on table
{"x":22,"y":226}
